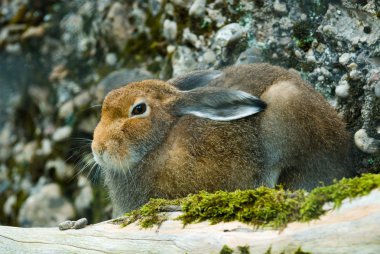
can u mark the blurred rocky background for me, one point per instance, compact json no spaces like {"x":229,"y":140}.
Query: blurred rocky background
{"x":58,"y":59}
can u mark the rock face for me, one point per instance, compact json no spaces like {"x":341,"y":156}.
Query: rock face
{"x":46,"y":208}
{"x":59,"y":59}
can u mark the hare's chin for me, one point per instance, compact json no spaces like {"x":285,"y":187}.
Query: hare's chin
{"x":110,"y":162}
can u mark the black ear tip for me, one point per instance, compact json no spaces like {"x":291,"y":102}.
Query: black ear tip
{"x":258,"y":103}
{"x":261,"y":104}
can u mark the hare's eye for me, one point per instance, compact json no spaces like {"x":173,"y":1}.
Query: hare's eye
{"x":139,"y":109}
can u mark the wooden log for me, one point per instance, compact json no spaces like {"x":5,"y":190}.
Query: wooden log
{"x":353,"y":228}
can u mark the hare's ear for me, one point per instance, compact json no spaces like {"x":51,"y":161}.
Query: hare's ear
{"x":218,"y":104}
{"x":194,"y":79}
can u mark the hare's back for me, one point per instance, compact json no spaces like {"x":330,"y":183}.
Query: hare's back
{"x":252,"y":78}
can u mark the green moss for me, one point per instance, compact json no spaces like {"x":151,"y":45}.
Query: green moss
{"x":300,"y":251}
{"x":336,"y":193}
{"x":244,"y":249}
{"x":264,"y":207}
{"x":152,"y":213}
{"x":226,"y":250}
{"x":303,"y":34}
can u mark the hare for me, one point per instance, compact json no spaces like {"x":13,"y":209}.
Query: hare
{"x":237,"y":128}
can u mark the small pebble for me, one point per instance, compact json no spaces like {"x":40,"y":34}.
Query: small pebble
{"x":343,"y":90}
{"x":321,"y":78}
{"x":81,"y":223}
{"x":377,"y":90}
{"x":365,"y":143}
{"x":170,"y":30}
{"x":280,"y":7}
{"x":352,"y":66}
{"x":355,"y":74}
{"x":344,"y":58}
{"x":66,"y":225}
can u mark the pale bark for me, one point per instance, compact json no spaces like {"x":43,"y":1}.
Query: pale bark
{"x":353,"y":228}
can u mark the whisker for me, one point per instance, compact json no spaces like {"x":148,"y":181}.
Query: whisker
{"x":92,"y":167}
{"x":83,"y":163}
{"x":83,"y":139}
{"x":95,"y":106}
{"x":96,"y":174}
{"x":77,"y":151}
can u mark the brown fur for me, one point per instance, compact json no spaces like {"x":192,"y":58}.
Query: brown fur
{"x":298,"y":140}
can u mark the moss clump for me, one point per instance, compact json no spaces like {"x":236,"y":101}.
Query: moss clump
{"x":226,"y":250}
{"x":260,"y":207}
{"x":300,"y":251}
{"x":152,"y":213}
{"x":244,"y":249}
{"x":303,"y":34}
{"x":336,"y":193}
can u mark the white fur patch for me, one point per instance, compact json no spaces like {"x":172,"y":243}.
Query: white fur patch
{"x":225,"y":105}
{"x":241,"y":113}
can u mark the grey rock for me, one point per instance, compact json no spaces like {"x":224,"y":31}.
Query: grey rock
{"x":182,"y":3}
{"x":155,"y":6}
{"x":73,"y":24}
{"x":170,"y":30}
{"x":183,"y":61}
{"x":81,"y":223}
{"x":102,"y":5}
{"x":209,"y":57}
{"x":66,"y":89}
{"x":28,"y":152}
{"x":169,"y":9}
{"x":62,"y":133}
{"x":377,"y":89}
{"x":6,"y":135}
{"x":46,"y":148}
{"x":58,"y":73}
{"x":6,"y":140}
{"x":191,"y":38}
{"x":62,"y":170}
{"x":45,"y":208}
{"x":344,"y":58}
{"x":198,"y":8}
{"x":119,"y":26}
{"x":345,"y":27}
{"x":298,"y":54}
{"x":343,"y":89}
{"x":352,"y":66}
{"x":85,"y":197}
{"x":365,"y":143}
{"x":227,"y":34}
{"x":118,"y":79}
{"x":310,"y":57}
{"x":14,"y":48}
{"x":111,"y":59}
{"x":33,"y":32}
{"x":4,"y":183}
{"x":82,"y":99}
{"x":216,"y":16}
{"x":66,"y":110}
{"x":88,"y":124}
{"x":68,"y":224}
{"x":9,"y":205}
{"x":355,"y":74}
{"x":279,"y":7}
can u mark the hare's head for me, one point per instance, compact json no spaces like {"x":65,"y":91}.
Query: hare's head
{"x":138,"y":117}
